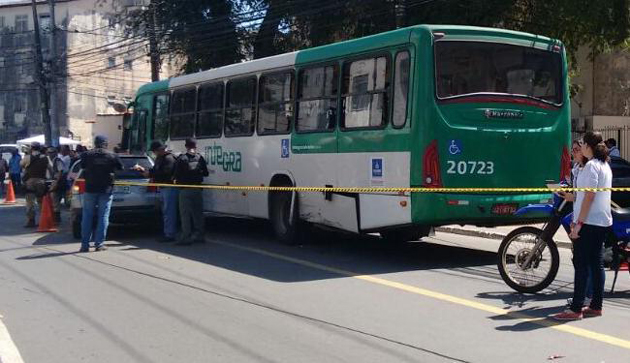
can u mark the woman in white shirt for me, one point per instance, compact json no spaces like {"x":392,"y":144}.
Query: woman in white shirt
{"x":592,"y":219}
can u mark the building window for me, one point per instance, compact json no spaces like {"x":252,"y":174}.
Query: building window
{"x":111,"y":62}
{"x":21,"y":23}
{"x":19,"y":102}
{"x":128,"y":65}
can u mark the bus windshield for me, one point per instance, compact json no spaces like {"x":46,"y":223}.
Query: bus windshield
{"x":465,"y":68}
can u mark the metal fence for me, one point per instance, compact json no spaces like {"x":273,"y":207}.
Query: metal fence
{"x":620,"y":134}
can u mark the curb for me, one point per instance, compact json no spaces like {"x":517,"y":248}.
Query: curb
{"x":489,"y":235}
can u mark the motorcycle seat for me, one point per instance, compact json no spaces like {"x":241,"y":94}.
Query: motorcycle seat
{"x":621,"y":215}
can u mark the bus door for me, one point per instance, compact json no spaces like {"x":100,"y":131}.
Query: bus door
{"x":314,"y":142}
{"x":372,"y":153}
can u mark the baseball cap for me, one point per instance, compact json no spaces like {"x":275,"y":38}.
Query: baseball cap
{"x":157,"y":145}
{"x":100,"y":140}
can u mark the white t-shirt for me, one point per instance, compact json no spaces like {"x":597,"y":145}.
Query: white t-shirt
{"x":595,"y":174}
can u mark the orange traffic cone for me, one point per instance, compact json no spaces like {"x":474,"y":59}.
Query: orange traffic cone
{"x":10,"y":197}
{"x":46,"y":220}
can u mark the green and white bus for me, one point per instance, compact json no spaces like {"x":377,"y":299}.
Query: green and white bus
{"x":424,"y":106}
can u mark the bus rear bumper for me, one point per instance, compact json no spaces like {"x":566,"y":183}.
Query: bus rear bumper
{"x":486,"y":210}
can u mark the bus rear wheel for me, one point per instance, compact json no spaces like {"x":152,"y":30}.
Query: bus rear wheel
{"x":285,"y":223}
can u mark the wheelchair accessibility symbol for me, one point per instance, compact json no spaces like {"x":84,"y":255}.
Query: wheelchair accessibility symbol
{"x":455,"y":147}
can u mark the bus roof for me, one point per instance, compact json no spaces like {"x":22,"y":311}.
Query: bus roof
{"x":349,"y":47}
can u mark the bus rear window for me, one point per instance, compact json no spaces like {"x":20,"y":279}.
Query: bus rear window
{"x":464,"y":68}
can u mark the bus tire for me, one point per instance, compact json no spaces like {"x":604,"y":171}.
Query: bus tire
{"x":285,"y":224}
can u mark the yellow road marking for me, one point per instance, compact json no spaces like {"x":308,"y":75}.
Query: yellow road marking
{"x":585,"y":333}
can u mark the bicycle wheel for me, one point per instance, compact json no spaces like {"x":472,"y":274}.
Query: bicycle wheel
{"x":515,"y":250}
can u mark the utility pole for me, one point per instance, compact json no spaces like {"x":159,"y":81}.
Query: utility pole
{"x":54,"y":120}
{"x":153,"y":44}
{"x":39,"y":70}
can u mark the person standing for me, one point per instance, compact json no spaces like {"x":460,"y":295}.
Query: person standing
{"x":162,"y":172}
{"x":36,"y":167}
{"x":56,"y":190}
{"x":613,"y":150}
{"x":99,"y":166}
{"x":15,"y":170}
{"x":4,"y":169}
{"x":592,"y":219}
{"x":190,"y":169}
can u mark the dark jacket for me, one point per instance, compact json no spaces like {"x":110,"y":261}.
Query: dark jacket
{"x":164,"y":169}
{"x":98,"y":167}
{"x":190,"y":169}
{"x":37,"y":167}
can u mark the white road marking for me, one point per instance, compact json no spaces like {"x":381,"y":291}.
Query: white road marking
{"x":8,"y":351}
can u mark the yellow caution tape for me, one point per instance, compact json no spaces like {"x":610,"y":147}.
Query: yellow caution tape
{"x":378,"y":190}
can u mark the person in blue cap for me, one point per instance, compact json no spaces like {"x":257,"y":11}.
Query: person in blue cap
{"x":99,"y":165}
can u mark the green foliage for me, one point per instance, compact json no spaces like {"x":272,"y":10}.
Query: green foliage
{"x":212,"y":33}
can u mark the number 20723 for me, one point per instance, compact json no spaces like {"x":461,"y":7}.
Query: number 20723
{"x":470,"y":167}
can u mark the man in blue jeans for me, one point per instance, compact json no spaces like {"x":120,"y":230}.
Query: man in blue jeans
{"x":98,"y":167}
{"x":162,"y":173}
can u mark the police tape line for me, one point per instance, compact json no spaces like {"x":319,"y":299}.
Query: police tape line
{"x":375,"y":190}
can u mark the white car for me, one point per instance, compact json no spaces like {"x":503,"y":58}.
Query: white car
{"x":132,"y":204}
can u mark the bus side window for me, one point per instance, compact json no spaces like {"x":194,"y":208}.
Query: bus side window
{"x":240,"y":106}
{"x":210,"y":116}
{"x":401,"y":88}
{"x":160,"y":117}
{"x":317,"y":98}
{"x":275,"y":103}
{"x":365,"y":88}
{"x":183,"y":113}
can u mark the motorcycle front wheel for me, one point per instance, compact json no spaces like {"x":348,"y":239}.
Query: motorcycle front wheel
{"x":519,"y":271}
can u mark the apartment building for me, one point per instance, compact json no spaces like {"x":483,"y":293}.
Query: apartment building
{"x":99,"y":63}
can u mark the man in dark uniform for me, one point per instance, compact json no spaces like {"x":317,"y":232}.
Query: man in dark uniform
{"x":98,"y":167}
{"x":190,"y":169}
{"x":35,"y":168}
{"x":162,"y":173}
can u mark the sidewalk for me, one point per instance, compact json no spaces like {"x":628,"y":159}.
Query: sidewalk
{"x":561,"y":238}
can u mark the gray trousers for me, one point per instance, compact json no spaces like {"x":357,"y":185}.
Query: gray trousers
{"x":191,"y":213}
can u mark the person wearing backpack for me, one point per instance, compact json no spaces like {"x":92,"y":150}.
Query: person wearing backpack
{"x":99,"y":166}
{"x":190,"y":169}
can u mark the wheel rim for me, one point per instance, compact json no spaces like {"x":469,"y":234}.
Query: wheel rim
{"x":514,"y":258}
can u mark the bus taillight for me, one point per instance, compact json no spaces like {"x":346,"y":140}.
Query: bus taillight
{"x":431,"y":166}
{"x":565,"y":165}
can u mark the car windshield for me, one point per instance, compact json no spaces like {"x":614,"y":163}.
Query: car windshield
{"x":129,"y":163}
{"x":464,"y":68}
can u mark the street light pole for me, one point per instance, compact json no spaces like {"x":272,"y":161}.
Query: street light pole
{"x":39,"y":70}
{"x":54,"y":121}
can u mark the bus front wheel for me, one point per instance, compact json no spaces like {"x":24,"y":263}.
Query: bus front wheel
{"x":283,"y":213}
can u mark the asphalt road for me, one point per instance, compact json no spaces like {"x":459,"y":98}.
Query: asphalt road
{"x":243,"y":297}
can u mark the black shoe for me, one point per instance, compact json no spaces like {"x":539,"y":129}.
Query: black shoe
{"x":83,"y":250}
{"x":183,"y":243}
{"x":100,"y":248}
{"x":58,"y":217}
{"x":166,"y":239}
{"x":30,"y":224}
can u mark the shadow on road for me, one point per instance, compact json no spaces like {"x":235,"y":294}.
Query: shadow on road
{"x":361,"y":254}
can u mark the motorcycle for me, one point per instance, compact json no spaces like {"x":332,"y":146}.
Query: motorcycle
{"x":528,"y":257}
